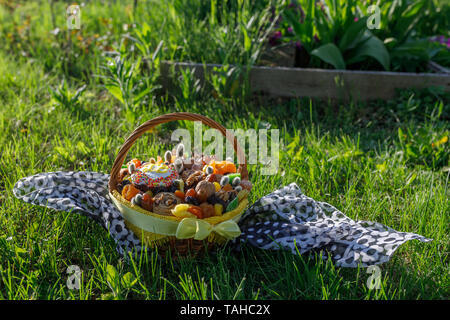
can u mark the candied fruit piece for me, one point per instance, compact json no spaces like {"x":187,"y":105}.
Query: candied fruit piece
{"x":181,"y":211}
{"x":197,"y":211}
{"x":218,"y":209}
{"x":129,"y":191}
{"x":179,"y":194}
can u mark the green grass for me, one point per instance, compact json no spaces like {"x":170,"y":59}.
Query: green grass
{"x":351,"y":155}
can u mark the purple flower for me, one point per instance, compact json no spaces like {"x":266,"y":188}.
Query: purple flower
{"x":290,"y":30}
{"x":298,"y":45}
{"x":356,"y":19}
{"x":273,"y":40}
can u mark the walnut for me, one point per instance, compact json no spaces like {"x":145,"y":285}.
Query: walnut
{"x":164,"y":202}
{"x":204,"y":189}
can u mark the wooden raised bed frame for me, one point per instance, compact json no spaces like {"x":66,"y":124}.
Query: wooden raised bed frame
{"x":321,"y":83}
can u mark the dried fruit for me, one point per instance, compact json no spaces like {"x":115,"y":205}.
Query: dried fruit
{"x":129,"y":191}
{"x":223,"y":167}
{"x":211,"y":178}
{"x":181,"y":211}
{"x":147,"y":201}
{"x":232,"y":205}
{"x":141,"y":187}
{"x":197,"y":211}
{"x":208,"y":210}
{"x":192,"y":200}
{"x":137,"y":163}
{"x":218,"y":209}
{"x":195,"y":178}
{"x":186,"y":173}
{"x":191,"y":193}
{"x":217,"y":185}
{"x":179,"y":194}
{"x":149,"y":193}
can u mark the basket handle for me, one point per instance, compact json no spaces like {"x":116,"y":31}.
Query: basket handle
{"x":148,"y":125}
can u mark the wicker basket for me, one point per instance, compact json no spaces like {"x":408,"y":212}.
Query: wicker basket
{"x":158,"y":230}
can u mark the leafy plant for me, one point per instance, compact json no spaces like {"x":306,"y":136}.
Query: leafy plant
{"x":399,"y":25}
{"x":426,"y":144}
{"x":66,"y":98}
{"x":334,"y":34}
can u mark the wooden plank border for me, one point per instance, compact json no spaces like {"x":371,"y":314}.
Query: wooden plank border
{"x":321,"y":83}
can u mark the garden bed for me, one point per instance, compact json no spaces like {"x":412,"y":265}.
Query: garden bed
{"x":320,"y":83}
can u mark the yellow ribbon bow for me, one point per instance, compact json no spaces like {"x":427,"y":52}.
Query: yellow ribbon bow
{"x":200,"y":229}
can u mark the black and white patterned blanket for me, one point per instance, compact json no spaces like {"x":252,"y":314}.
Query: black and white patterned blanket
{"x":284,"y":219}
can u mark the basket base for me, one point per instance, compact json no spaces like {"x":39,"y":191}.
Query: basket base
{"x":179,"y":248}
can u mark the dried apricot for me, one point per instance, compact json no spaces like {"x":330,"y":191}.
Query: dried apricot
{"x":191,"y":193}
{"x":129,"y":191}
{"x":197,"y":211}
{"x":208,"y":210}
{"x":136,"y":162}
{"x":179,"y":194}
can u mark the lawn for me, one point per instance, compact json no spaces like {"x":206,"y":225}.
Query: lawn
{"x":383,"y":161}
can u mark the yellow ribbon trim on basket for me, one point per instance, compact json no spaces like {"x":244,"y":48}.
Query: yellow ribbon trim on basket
{"x":224,"y":225}
{"x":200,"y":229}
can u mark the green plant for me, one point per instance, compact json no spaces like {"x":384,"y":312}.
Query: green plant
{"x":123,"y":80}
{"x":335,"y":35}
{"x":66,"y":98}
{"x":425,"y":145}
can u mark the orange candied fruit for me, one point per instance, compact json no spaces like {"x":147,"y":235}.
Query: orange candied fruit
{"x":179,"y":194}
{"x":129,"y":191}
{"x":191,"y":193}
{"x":196,"y":211}
{"x":137,"y":162}
{"x":223,"y":167}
